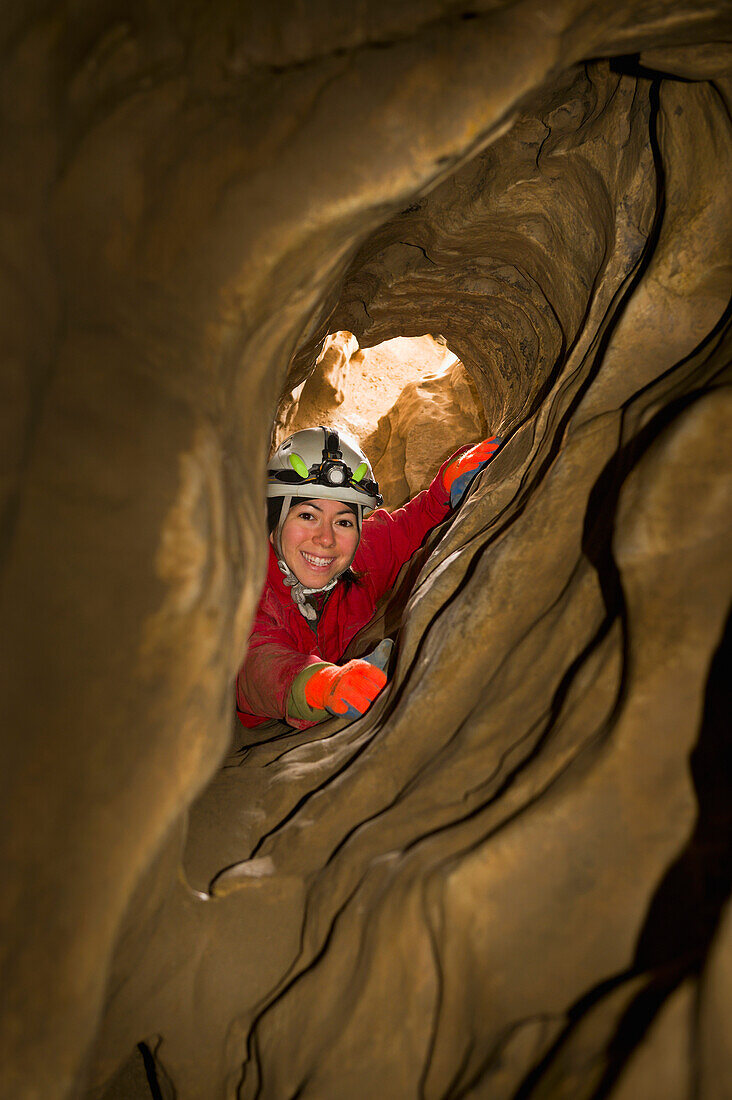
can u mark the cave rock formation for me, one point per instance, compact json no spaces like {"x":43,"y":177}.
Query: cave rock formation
{"x":511,"y":878}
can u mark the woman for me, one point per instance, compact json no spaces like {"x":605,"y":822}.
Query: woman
{"x":329,"y":564}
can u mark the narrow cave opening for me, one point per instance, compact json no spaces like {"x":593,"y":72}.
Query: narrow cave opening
{"x":409,"y":401}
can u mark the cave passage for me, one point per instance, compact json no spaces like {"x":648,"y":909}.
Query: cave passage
{"x":408,"y":401}
{"x":509,"y":879}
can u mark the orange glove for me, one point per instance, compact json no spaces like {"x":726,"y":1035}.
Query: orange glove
{"x":457,"y":475}
{"x":344,"y":690}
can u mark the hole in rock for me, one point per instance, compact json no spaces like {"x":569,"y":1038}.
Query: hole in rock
{"x":409,"y":401}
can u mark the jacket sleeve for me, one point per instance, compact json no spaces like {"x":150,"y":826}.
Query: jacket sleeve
{"x":390,"y":538}
{"x":264,"y":681}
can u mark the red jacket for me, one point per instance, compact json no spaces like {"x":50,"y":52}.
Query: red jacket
{"x":282,"y":641}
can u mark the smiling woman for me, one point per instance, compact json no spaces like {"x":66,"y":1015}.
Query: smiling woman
{"x":333,"y":554}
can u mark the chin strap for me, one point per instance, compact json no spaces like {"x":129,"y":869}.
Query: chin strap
{"x":299,"y":592}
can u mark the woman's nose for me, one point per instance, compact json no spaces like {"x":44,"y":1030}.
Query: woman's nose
{"x":326,"y":536}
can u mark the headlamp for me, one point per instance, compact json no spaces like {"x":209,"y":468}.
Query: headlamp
{"x":334,"y":473}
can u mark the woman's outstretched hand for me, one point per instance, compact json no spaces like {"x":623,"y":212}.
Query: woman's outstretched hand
{"x":344,"y":690}
{"x":458,"y":474}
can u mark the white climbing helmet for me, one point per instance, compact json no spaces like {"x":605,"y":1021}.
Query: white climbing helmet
{"x":316,"y":462}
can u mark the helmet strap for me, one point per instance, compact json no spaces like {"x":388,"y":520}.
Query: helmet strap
{"x":299,"y":592}
{"x":276,"y":537}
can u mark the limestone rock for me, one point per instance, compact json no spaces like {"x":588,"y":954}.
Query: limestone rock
{"x":325,"y":389}
{"x":353,"y":389}
{"x":430,"y":419}
{"x":522,"y":846}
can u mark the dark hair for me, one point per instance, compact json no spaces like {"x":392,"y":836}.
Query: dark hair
{"x":274,"y":507}
{"x":348,"y":577}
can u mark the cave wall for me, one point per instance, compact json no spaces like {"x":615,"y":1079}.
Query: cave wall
{"x":480,"y":880}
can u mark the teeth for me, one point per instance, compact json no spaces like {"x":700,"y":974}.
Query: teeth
{"x":316,"y":561}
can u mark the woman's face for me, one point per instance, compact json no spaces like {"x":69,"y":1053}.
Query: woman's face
{"x":319,"y":538}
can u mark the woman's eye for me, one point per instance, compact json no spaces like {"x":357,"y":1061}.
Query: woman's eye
{"x":345,"y":523}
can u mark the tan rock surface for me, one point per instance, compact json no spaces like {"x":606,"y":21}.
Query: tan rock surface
{"x":429,"y":421}
{"x":322,"y":392}
{"x":516,"y":864}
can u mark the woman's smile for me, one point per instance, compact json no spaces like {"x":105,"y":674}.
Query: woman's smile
{"x":317,"y":563}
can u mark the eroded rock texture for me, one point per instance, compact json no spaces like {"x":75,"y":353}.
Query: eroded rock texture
{"x":418,"y":433}
{"x":511,"y":878}
{"x":323,"y":391}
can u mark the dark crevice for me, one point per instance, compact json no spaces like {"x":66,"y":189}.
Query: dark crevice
{"x":581,"y":1008}
{"x":684,"y":913}
{"x":631,"y":65}
{"x":411,"y":244}
{"x":149,"y":1062}
{"x":685,"y":910}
